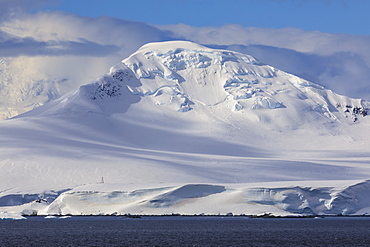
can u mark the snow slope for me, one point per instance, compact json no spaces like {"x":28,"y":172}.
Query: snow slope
{"x":181,"y":128}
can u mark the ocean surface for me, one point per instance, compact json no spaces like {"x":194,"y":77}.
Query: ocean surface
{"x":185,"y":231}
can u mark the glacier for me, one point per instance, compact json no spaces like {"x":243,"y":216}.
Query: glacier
{"x":181,"y":128}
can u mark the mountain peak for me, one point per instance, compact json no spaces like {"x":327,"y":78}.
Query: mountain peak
{"x":184,"y":76}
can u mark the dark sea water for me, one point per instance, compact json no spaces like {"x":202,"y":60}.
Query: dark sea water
{"x":185,"y":231}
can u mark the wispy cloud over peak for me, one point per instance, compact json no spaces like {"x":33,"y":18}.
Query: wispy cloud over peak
{"x":28,"y":46}
{"x":104,"y":34}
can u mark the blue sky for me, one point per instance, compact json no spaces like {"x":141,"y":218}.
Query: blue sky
{"x":333,"y":16}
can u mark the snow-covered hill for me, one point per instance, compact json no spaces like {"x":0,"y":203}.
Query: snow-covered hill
{"x":181,"y":128}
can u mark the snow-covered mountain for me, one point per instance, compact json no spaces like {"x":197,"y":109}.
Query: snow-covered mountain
{"x":181,"y":128}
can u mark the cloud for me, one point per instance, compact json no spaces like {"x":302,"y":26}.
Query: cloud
{"x":290,"y":38}
{"x":46,"y":31}
{"x":28,"y":46}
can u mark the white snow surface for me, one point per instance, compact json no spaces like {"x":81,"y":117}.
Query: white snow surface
{"x":181,"y":128}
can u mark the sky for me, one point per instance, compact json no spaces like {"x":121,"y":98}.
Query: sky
{"x":54,"y":46}
{"x":333,"y":16}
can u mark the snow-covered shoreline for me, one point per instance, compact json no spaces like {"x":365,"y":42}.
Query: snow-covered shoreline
{"x":205,"y":199}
